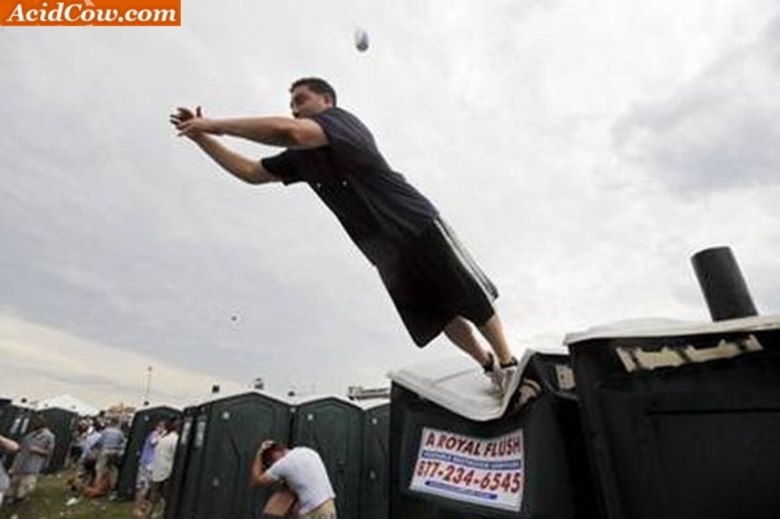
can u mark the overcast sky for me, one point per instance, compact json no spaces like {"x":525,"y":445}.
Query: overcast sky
{"x":583,"y":151}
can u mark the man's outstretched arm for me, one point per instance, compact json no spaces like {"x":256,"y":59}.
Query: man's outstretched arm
{"x":245,"y":169}
{"x":285,"y":132}
{"x":234,"y":163}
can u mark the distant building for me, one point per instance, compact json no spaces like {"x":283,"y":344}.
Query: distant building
{"x":362,"y":393}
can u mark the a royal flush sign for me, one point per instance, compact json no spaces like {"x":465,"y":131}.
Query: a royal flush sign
{"x":483,"y":471}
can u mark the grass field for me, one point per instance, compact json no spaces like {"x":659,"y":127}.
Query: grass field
{"x":50,"y":498}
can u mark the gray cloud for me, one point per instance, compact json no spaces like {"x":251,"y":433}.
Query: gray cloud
{"x":720,"y":130}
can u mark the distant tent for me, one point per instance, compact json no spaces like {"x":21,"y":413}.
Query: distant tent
{"x":69,"y":403}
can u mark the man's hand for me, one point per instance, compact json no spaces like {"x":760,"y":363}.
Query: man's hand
{"x":193,"y":125}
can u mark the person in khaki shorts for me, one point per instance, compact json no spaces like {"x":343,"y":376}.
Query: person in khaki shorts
{"x":304,"y":473}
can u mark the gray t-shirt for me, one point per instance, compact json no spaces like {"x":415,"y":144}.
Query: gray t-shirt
{"x":29,"y":462}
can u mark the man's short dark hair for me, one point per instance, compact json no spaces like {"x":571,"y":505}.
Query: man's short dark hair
{"x":267,"y":455}
{"x":317,"y":85}
{"x":37,"y":421}
{"x":172,"y":424}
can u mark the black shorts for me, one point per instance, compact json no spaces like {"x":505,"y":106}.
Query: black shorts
{"x":434,"y":280}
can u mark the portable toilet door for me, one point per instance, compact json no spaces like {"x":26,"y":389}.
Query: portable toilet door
{"x":19,"y":422}
{"x":61,"y":422}
{"x":9,"y":422}
{"x":7,"y":414}
{"x":143,"y":423}
{"x":375,"y":469}
{"x":228,"y":432}
{"x":334,"y":428}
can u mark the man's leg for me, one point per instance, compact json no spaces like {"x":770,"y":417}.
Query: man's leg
{"x":460,"y":332}
{"x":154,"y":498}
{"x":493,"y":331}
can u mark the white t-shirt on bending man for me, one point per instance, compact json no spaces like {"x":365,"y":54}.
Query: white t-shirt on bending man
{"x":303,"y":471}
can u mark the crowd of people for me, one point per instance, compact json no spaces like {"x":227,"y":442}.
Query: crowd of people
{"x":97,"y":447}
{"x":97,"y":452}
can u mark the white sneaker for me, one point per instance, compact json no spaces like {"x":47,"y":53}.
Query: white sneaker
{"x":494,"y":374}
{"x":507,"y":374}
{"x":529,"y":390}
{"x":501,"y":377}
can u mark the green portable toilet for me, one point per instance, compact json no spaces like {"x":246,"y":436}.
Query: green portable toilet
{"x":61,"y":423}
{"x":334,"y":428}
{"x":16,"y":421}
{"x":7,"y":413}
{"x":374,"y":479}
{"x":682,"y":418}
{"x":459,"y":450}
{"x":226,"y":435}
{"x":143,"y":423}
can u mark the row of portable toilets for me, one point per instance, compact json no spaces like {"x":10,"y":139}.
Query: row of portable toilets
{"x":218,"y":441}
{"x":646,"y":422}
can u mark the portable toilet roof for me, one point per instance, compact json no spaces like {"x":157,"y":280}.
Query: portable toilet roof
{"x":458,"y":385}
{"x":673,"y":328}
